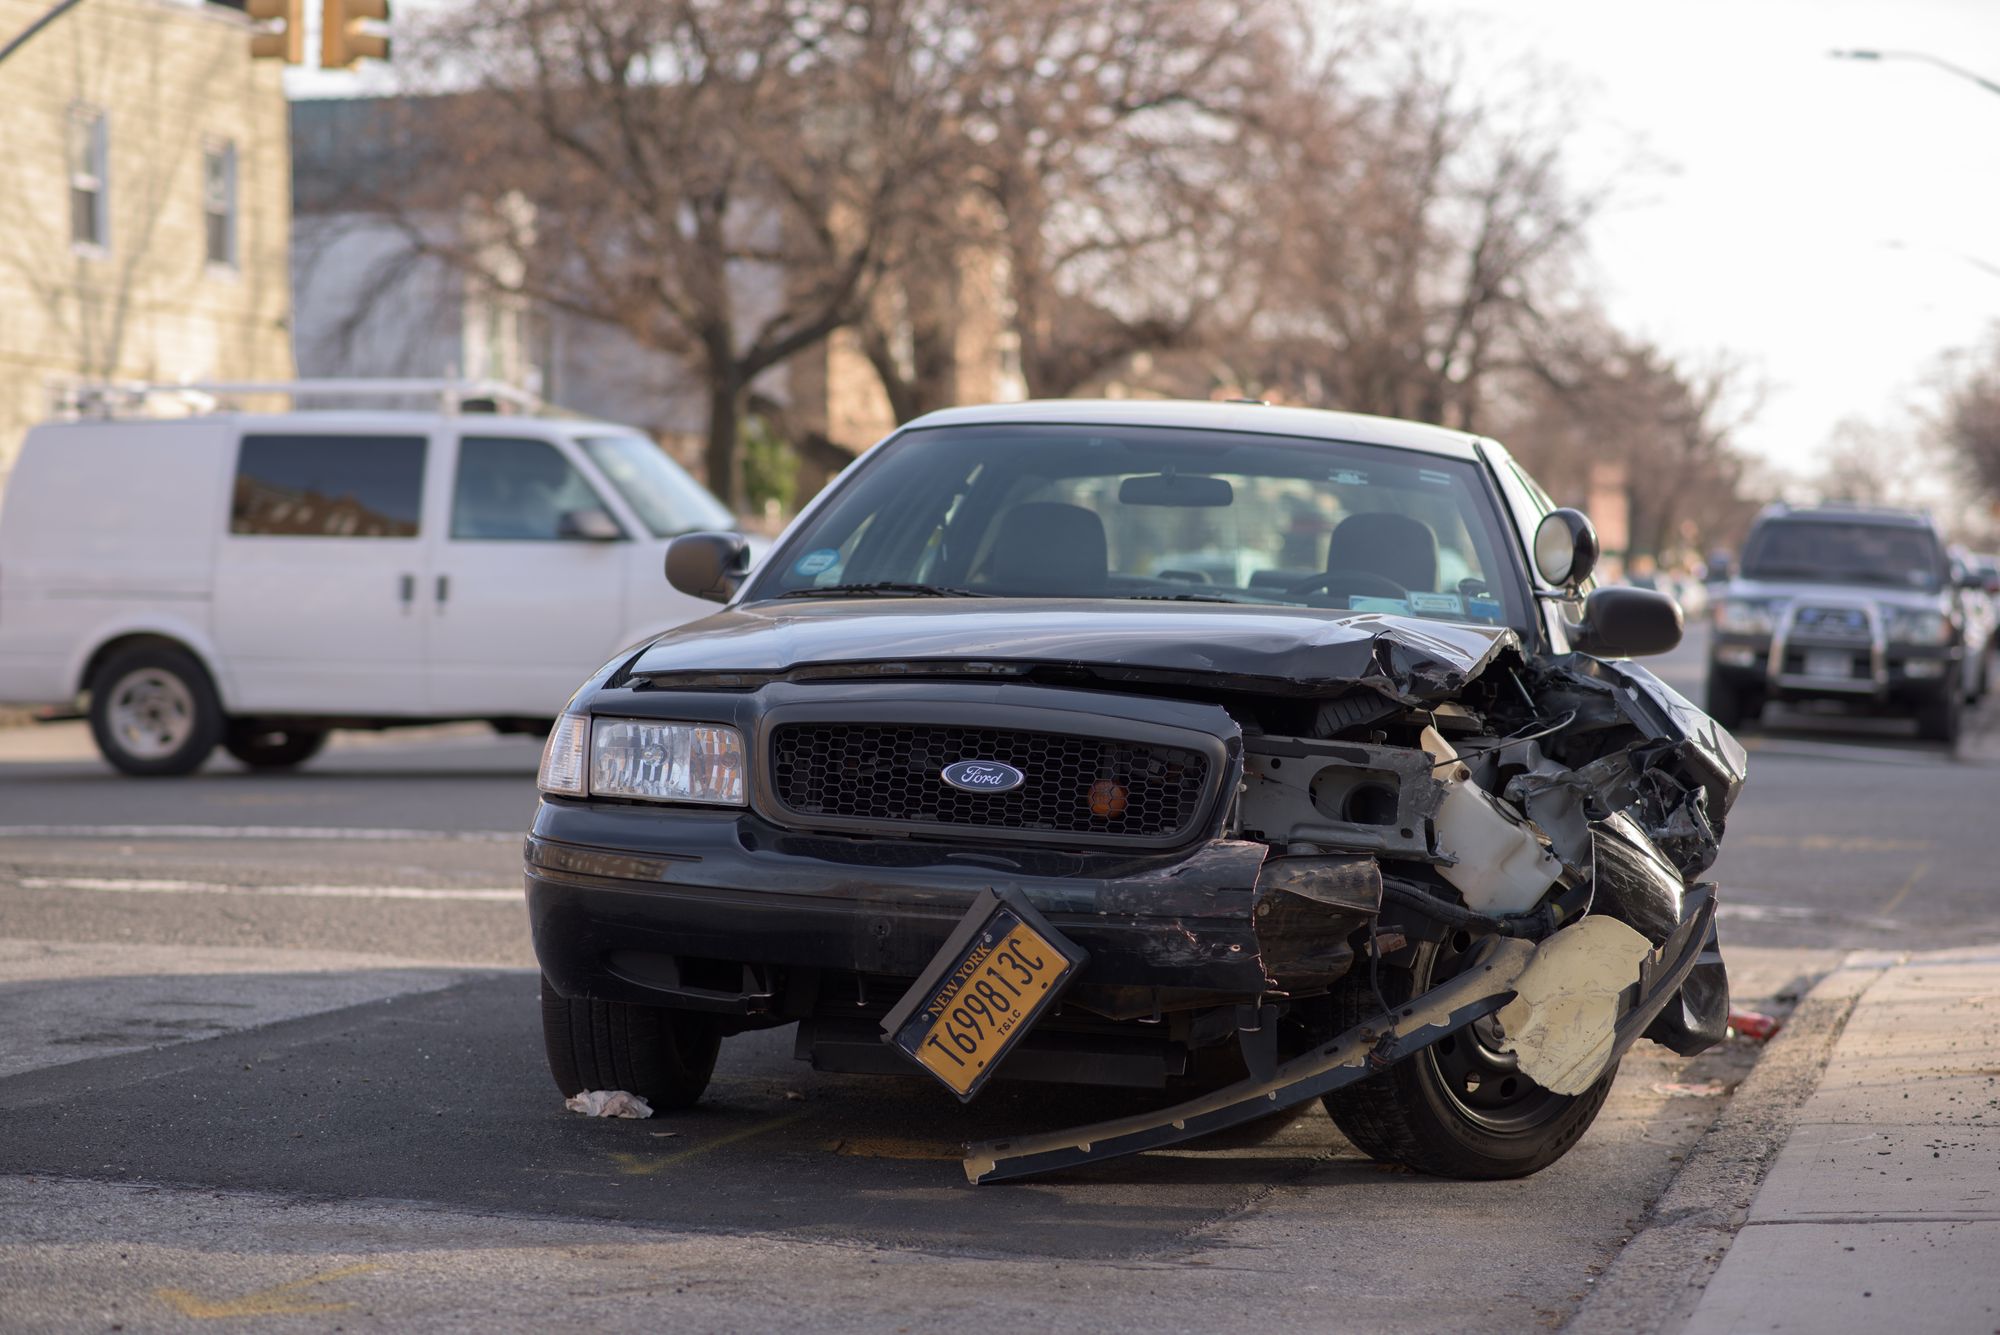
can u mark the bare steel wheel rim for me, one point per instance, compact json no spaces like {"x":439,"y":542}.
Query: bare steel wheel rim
{"x":151,"y":713}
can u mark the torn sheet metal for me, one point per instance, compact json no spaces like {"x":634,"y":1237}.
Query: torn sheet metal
{"x":1380,"y":1041}
{"x":1307,"y":910}
{"x":1563,"y":1019}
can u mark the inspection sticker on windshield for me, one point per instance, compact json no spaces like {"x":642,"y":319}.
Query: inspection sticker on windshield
{"x":1436,"y":604}
{"x":1000,"y":970}
{"x":816,"y":563}
{"x":1349,"y":477}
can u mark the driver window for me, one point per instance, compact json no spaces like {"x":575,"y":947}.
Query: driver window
{"x":510,"y":489}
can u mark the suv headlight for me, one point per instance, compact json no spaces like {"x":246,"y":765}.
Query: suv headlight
{"x":1910,"y":625}
{"x":1743,"y":616}
{"x":654,"y":762}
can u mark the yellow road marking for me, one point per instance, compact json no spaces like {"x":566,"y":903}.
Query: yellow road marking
{"x":1835,"y":843}
{"x":278,"y":1300}
{"x":645,"y":1165}
{"x":1896,"y":900}
{"x":894,"y":1147}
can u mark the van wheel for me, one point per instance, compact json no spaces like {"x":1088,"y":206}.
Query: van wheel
{"x":271,"y":748}
{"x":664,"y":1056}
{"x":1460,"y":1108}
{"x":153,"y":711}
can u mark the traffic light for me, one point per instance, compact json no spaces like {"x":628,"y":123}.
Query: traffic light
{"x":281,"y":34}
{"x":343,"y":34}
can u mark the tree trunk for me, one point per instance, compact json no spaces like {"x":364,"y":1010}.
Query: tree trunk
{"x":725,"y":408}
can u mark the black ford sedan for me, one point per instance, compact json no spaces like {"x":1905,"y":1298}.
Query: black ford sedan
{"x":1252,"y":754}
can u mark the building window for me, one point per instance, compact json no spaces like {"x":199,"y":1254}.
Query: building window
{"x":89,"y":180}
{"x":218,"y":201}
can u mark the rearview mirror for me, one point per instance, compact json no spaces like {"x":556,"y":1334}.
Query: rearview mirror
{"x":708,"y":565}
{"x":1621,"y":622}
{"x":592,"y":525}
{"x":1565,"y":548}
{"x":1191,"y":490}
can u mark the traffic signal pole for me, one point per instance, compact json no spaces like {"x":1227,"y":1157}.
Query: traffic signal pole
{"x":44,"y":21}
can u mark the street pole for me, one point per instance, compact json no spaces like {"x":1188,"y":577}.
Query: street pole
{"x":1960,"y":70}
{"x":44,"y":21}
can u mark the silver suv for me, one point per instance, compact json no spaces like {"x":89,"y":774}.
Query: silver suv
{"x":1849,"y":604}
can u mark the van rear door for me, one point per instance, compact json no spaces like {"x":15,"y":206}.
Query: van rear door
{"x":318,"y":578}
{"x":527,"y":588}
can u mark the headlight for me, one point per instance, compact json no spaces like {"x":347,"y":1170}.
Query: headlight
{"x":565,"y":756}
{"x":1908,"y":625}
{"x":666,"y":762}
{"x":1741,"y":616}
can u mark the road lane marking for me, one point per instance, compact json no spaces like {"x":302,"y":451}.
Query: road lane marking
{"x":156,"y":886}
{"x":1896,"y":900}
{"x":1804,"y":913}
{"x":278,"y":1300}
{"x":1833,"y":843}
{"x":645,"y":1165}
{"x":338,"y":832}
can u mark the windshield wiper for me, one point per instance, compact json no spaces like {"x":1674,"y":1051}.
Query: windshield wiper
{"x":882,"y":586}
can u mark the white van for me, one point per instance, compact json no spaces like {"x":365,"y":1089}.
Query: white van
{"x":254,"y":580}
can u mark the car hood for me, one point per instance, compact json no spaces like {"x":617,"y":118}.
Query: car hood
{"x":1813,"y":591}
{"x":1270,"y":648}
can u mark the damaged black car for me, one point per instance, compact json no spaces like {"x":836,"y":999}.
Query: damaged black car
{"x":1253,"y":754}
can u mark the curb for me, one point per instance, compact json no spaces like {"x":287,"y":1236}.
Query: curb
{"x":1659,"y":1277}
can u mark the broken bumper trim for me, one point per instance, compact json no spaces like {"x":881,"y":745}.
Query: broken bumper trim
{"x":1355,"y":1055}
{"x":1362,"y":1051}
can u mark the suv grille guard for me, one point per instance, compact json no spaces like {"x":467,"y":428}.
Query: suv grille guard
{"x":1876,"y":643}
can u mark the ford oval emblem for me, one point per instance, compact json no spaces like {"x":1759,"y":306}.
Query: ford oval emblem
{"x":983,"y":776}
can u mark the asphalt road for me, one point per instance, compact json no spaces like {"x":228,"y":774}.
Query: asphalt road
{"x":272,"y":1056}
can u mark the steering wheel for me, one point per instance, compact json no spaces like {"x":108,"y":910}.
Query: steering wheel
{"x":1348,"y":582}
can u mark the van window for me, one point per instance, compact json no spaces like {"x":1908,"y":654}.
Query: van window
{"x":513,"y":490}
{"x":329,"y":486}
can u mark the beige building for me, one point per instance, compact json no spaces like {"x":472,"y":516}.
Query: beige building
{"x":145,"y":213}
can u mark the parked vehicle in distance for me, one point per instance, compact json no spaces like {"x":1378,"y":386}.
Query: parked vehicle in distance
{"x":1847,"y":604}
{"x":253,"y":580}
{"x":1979,"y":574}
{"x":1031,"y":751}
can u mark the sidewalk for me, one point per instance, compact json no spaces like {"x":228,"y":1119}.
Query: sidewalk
{"x":1882,"y":1212}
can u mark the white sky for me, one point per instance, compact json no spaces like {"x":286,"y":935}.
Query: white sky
{"x":1812,"y":216}
{"x":1816,"y":214}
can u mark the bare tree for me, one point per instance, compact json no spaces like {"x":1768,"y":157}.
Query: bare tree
{"x":721,"y":180}
{"x":1970,"y":418}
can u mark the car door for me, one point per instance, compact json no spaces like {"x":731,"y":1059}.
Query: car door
{"x":317,"y":576}
{"x":527,"y":587}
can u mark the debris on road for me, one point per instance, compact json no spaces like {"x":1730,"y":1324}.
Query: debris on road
{"x":1754,"y":1025}
{"x":1675,"y":1089}
{"x":608,"y":1103}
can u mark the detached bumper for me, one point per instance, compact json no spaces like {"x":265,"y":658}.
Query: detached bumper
{"x":733,"y":914}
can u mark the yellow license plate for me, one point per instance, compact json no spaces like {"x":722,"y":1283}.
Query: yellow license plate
{"x":991,"y":991}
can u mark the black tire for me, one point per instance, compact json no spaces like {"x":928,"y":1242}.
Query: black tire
{"x":153,"y":711}
{"x":1419,"y":1112}
{"x":664,"y":1056}
{"x":1729,"y":704}
{"x":1942,"y":717}
{"x":271,"y":748}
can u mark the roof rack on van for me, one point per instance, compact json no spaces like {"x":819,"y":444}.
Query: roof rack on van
{"x":134,"y":397}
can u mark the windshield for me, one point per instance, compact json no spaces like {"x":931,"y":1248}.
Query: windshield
{"x":1157,"y":513}
{"x":668,"y":501}
{"x":1840,"y":552}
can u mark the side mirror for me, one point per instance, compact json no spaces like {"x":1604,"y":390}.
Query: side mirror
{"x":1621,"y":622}
{"x":591,"y":525}
{"x":1565,"y":548}
{"x":708,"y":565}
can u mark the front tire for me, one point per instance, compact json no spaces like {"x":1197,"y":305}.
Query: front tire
{"x":1460,"y":1108}
{"x":1942,"y":717}
{"x":664,"y":1056}
{"x":272,"y":748}
{"x":153,"y":711}
{"x":1729,"y":704}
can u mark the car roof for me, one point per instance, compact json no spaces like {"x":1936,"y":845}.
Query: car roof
{"x":1886,"y":516}
{"x":308,"y":421}
{"x":1257,"y":418}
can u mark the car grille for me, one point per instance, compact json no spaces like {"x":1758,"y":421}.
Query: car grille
{"x":1842,"y":623}
{"x":890,"y":773}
